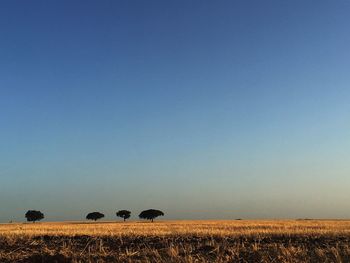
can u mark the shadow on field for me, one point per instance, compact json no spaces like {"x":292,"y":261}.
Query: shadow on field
{"x":40,"y":258}
{"x":191,"y":248}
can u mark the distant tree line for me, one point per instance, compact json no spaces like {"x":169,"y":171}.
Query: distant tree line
{"x":150,"y":214}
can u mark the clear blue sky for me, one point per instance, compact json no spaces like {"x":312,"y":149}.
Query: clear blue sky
{"x":203,"y":109}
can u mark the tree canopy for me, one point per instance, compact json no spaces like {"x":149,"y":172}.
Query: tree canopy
{"x":33,"y":215}
{"x":150,"y":214}
{"x":125,"y":214}
{"x":94,"y":216}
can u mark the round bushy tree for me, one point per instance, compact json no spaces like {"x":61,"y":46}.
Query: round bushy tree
{"x":150,"y":214}
{"x":94,"y":216}
{"x":33,"y":215}
{"x":125,"y":214}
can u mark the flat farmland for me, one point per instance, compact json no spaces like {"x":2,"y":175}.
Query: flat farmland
{"x":177,"y":241}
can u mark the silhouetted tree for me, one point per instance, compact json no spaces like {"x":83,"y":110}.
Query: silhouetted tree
{"x":33,"y":215}
{"x":94,"y":216}
{"x":150,"y":214}
{"x":125,"y":214}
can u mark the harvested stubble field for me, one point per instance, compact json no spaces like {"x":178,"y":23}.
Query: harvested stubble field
{"x":177,"y":241}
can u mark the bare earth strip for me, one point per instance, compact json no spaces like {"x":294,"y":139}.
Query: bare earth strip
{"x":177,"y":241}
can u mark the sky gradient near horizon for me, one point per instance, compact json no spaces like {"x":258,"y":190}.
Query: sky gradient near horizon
{"x":203,"y":109}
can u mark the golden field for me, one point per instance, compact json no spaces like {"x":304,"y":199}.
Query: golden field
{"x":177,"y":241}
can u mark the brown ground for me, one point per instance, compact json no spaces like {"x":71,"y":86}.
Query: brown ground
{"x":177,"y":241}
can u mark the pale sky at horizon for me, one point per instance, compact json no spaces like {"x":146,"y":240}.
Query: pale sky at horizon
{"x":202,"y":109}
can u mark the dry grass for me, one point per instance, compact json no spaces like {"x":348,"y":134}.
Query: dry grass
{"x":177,"y":241}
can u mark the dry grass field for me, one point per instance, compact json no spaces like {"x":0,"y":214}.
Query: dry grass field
{"x":177,"y":241}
